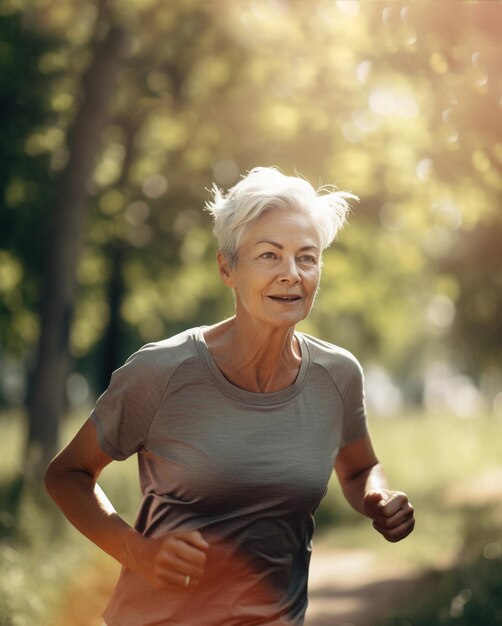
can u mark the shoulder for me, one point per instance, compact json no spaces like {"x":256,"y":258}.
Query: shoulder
{"x":331,"y":356}
{"x":176,"y":347}
{"x":338,"y":363}
{"x":347,"y":377}
{"x":160,"y":359}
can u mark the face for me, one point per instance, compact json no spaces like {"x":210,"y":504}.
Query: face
{"x":277,"y":274}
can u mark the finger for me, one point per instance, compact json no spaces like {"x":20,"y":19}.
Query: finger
{"x":397,"y":533}
{"x":392,"y":503}
{"x":373,"y":497}
{"x":178,"y":579}
{"x":170,"y":562}
{"x":194,"y":538}
{"x":187,"y":569}
{"x":403,"y":520}
{"x":371,"y":503}
{"x":189,"y":553}
{"x":388,"y":501}
{"x":173,"y":567}
{"x":170,"y":578}
{"x":197,"y":540}
{"x":403,"y":514}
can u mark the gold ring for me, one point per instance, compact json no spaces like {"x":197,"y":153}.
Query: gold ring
{"x":187,"y":581}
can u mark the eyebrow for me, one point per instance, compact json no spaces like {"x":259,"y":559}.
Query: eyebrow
{"x":281,"y":247}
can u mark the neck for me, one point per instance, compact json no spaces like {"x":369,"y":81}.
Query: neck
{"x":253,"y":357}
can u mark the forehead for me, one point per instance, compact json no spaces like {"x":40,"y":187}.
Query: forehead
{"x":283,"y":227}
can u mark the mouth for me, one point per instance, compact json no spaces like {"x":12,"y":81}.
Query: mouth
{"x":286,"y":298}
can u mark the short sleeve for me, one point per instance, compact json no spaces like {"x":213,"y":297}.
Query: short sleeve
{"x":124,"y":412}
{"x":354,"y":419}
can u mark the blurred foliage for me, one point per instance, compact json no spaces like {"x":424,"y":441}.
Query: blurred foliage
{"x":469,"y":593}
{"x":25,"y":180}
{"x":395,"y":101}
{"x":40,"y":554}
{"x":467,"y":596}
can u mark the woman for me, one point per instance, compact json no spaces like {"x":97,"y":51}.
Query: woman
{"x":237,"y":428}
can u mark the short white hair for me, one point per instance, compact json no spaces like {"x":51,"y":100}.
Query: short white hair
{"x":267,"y":188}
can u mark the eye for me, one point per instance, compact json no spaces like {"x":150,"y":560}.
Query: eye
{"x":308,"y":258}
{"x":268,"y":255}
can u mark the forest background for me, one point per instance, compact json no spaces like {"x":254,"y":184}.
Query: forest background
{"x":117,"y":117}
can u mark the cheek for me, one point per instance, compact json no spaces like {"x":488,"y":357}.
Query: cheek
{"x":313,"y":281}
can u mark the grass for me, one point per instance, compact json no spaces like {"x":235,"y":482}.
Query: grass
{"x":451,"y":470}
{"x":426,"y":456}
{"x":429,"y":457}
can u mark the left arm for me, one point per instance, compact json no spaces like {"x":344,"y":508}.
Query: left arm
{"x":364,"y":485}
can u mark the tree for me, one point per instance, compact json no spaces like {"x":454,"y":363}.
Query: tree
{"x":394,"y":101}
{"x":68,"y":221}
{"x":24,"y":180}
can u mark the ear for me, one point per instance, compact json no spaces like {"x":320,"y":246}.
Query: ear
{"x":224,"y":269}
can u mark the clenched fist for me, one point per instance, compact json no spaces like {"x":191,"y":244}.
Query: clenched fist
{"x":177,"y":559}
{"x":391,"y":512}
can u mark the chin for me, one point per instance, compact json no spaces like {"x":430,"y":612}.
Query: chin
{"x":288,"y":322}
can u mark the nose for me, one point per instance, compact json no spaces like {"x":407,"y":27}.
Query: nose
{"x":289,"y":272}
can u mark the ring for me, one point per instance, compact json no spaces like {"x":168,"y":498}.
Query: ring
{"x":187,"y":581}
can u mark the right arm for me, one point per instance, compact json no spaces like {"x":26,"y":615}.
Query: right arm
{"x":71,"y":480}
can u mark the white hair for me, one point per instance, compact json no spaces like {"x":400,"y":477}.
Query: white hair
{"x":266,"y":188}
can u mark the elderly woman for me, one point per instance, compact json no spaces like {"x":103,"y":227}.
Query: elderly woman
{"x":237,"y":428}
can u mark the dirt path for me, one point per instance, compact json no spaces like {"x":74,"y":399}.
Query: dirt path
{"x":347,"y":588}
{"x":354,"y":587}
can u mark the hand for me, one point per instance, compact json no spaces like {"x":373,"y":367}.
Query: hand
{"x":177,"y":559}
{"x":391,"y":512}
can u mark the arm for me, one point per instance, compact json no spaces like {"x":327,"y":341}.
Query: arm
{"x":364,"y":485}
{"x":71,"y":482}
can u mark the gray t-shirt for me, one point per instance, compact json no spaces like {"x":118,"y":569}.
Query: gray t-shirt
{"x":246,"y":469}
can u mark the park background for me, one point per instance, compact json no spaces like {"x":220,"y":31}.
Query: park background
{"x":117,"y":117}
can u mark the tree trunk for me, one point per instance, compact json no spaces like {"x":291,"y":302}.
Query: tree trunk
{"x":47,"y":401}
{"x":112,"y":340}
{"x":112,"y":344}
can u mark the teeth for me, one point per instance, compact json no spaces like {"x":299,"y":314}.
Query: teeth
{"x":286,"y":297}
